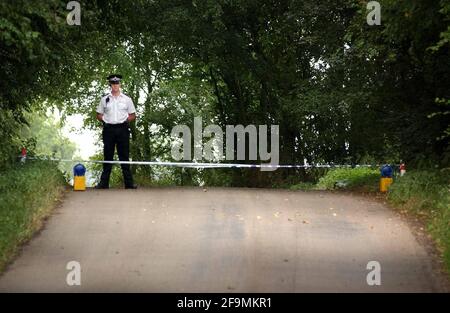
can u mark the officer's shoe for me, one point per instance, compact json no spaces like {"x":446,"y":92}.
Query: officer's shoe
{"x":101,"y":186}
{"x":131,"y":187}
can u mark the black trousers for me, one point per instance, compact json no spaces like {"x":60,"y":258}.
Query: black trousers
{"x":116,"y":135}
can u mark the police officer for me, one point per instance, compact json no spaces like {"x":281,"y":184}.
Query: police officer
{"x":116,"y":110}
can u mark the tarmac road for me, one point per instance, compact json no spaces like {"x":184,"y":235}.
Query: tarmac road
{"x":222,"y":240}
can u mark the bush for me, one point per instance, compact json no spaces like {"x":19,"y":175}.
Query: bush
{"x":350,"y":178}
{"x":427,"y":193}
{"x":28,"y":193}
{"x":303,"y":186}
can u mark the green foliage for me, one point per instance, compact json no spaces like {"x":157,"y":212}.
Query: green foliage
{"x":400,"y":76}
{"x":216,"y":177}
{"x":303,"y":186}
{"x":424,"y":188}
{"x":10,"y":140}
{"x":28,"y":192}
{"x":444,"y":35}
{"x":43,"y":137}
{"x":427,"y":194}
{"x":38,"y":49}
{"x":41,"y":58}
{"x":443,"y":138}
{"x":314,"y":68}
{"x":95,"y":170}
{"x":350,"y":178}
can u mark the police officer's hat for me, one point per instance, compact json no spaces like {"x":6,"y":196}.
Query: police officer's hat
{"x":114,"y":78}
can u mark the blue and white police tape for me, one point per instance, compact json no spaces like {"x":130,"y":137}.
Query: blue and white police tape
{"x":208,"y":165}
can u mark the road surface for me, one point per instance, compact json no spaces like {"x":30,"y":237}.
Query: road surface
{"x":222,"y":240}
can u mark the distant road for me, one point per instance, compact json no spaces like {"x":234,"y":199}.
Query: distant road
{"x":222,"y":240}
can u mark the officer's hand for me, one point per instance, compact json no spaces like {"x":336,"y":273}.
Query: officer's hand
{"x":131,"y":117}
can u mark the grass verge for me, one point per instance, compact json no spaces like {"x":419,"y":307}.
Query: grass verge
{"x":28,"y":193}
{"x":427,"y":194}
{"x":360,"y":178}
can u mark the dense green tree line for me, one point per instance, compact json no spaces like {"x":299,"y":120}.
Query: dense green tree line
{"x":342,"y":91}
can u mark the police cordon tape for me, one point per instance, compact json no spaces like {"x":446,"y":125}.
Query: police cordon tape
{"x":79,"y":181}
{"x":205,"y":165}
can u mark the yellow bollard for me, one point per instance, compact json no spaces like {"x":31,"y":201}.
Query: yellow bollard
{"x":385,"y":182}
{"x":79,"y":183}
{"x":79,"y":178}
{"x":386,"y":178}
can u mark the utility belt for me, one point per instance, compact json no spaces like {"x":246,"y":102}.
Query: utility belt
{"x":121,"y":125}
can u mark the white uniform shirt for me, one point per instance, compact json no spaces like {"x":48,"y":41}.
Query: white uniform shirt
{"x":116,"y":110}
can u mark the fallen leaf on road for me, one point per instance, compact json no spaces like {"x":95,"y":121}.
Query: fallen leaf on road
{"x":305,"y":222}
